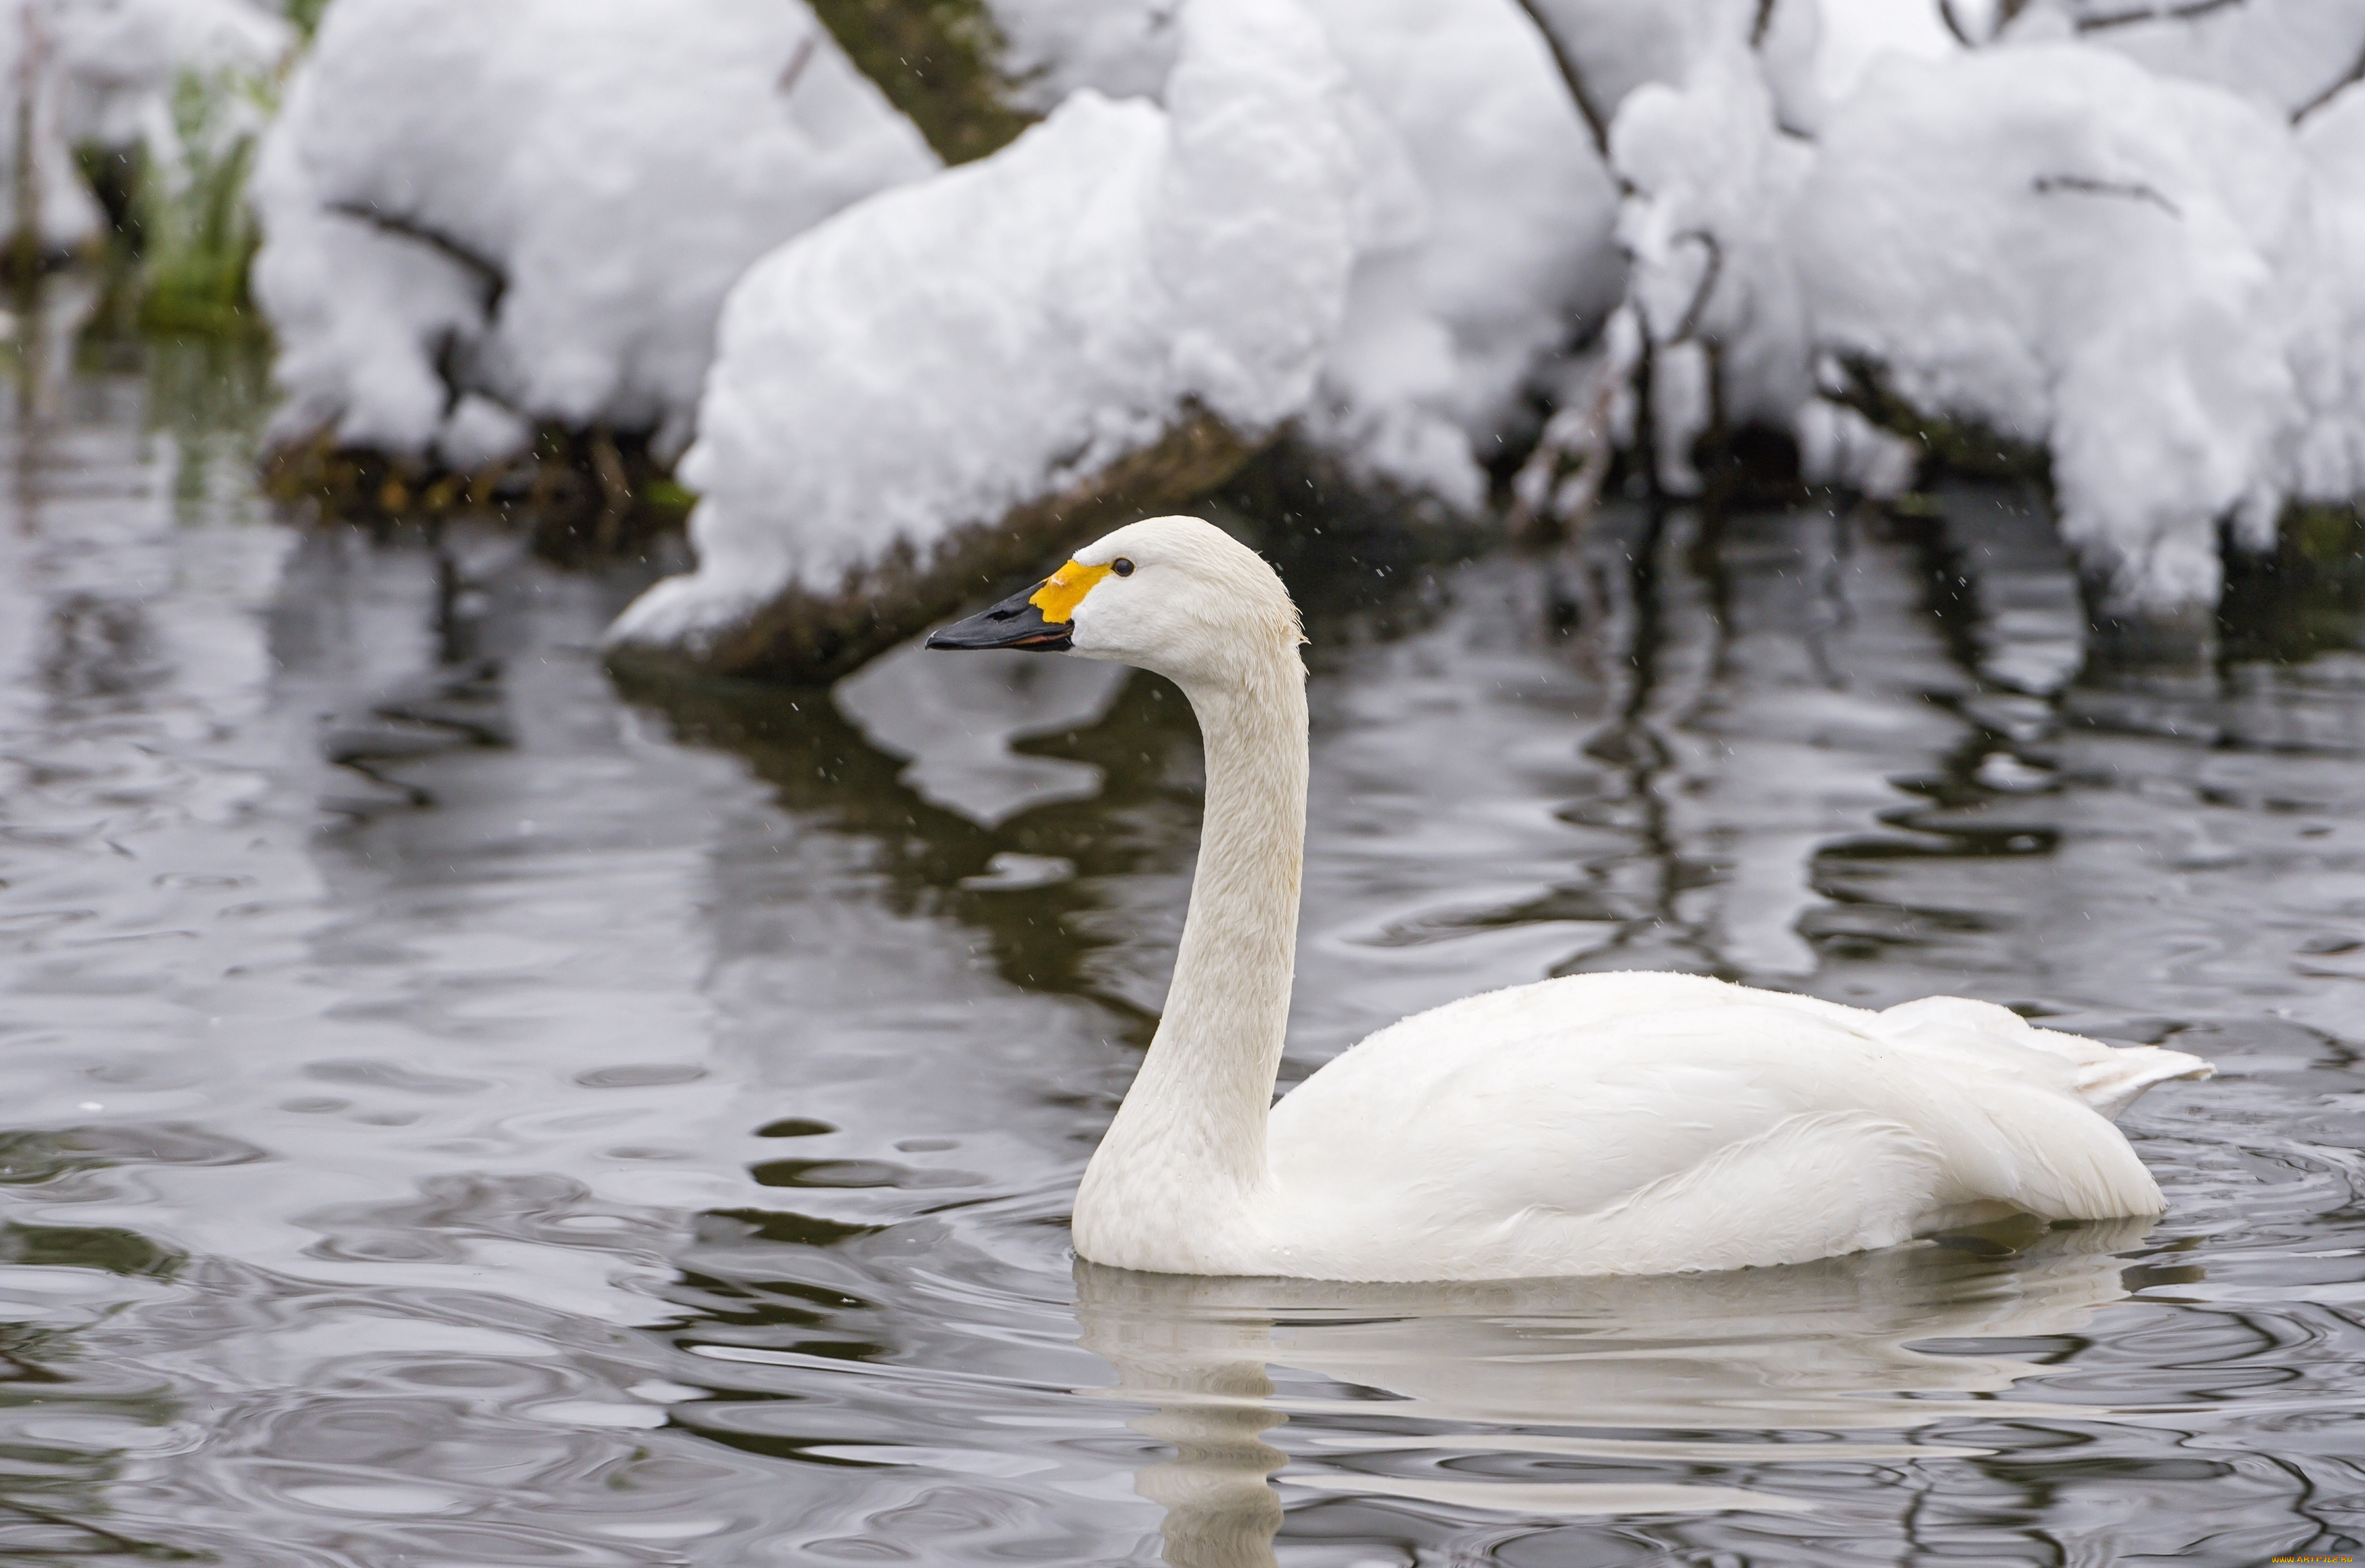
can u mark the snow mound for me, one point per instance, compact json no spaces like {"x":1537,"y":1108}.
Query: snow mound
{"x":1491,"y":247}
{"x":891,"y":385}
{"x":1499,"y":250}
{"x":480,"y":217}
{"x":2147,"y":276}
{"x":2075,"y":254}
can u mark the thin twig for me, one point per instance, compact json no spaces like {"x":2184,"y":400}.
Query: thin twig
{"x":1573,"y":74}
{"x":1689,"y":327}
{"x":2081,"y":184}
{"x":807,"y":47}
{"x":2183,"y":13}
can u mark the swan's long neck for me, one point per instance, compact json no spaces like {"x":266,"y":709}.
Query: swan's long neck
{"x":1192,"y":1130}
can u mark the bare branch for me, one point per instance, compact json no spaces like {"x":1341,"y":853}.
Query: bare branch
{"x":1689,"y":327}
{"x":2355,"y":72}
{"x":1573,"y":74}
{"x":496,"y":282}
{"x":2184,"y":13}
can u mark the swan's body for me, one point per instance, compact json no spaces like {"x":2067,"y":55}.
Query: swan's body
{"x":1595,"y":1125}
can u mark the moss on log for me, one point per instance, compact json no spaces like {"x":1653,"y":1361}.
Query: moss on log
{"x":1956,"y":445}
{"x":940,"y":62}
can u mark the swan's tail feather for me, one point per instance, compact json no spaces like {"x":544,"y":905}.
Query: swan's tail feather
{"x":2042,"y":1090}
{"x":2108,"y":1078}
{"x":2113,"y":1084}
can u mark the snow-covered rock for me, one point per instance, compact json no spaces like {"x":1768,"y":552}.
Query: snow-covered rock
{"x":542,"y":204}
{"x":937,"y":385}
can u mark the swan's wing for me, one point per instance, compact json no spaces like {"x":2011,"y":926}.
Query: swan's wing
{"x":1574,"y":1110}
{"x":1666,"y":1095}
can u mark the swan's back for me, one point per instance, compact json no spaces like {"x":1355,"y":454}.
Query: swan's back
{"x":1632,"y":1123}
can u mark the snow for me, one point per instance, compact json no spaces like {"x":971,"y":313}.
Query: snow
{"x":1504,"y":251}
{"x":1387,"y":225}
{"x":1616,"y":46}
{"x":1494,"y":253}
{"x":1857,"y":33}
{"x":546,"y":199}
{"x":941,"y":354}
{"x":2286,"y":54}
{"x":2054,"y":243}
{"x":2142,"y":274}
{"x":1712,"y":179}
{"x":120,"y":61}
{"x":1122,"y":48}
{"x":104,"y":72}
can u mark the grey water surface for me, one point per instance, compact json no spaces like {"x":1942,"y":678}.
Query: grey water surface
{"x":455,"y":1112}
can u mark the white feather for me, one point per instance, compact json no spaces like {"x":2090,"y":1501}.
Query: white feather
{"x":1615,"y":1123}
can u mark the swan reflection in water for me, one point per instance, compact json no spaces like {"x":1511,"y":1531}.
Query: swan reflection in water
{"x":1790,"y":1363}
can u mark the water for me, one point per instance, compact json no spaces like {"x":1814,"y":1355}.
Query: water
{"x":457,"y":1114}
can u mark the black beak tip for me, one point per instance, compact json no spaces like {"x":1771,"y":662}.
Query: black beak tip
{"x":1016,"y":622}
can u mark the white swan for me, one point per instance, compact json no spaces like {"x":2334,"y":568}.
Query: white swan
{"x":1610,"y":1124}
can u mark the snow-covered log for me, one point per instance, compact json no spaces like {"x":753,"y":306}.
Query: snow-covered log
{"x":2140,"y":274}
{"x":483,"y":217}
{"x":947,"y":381}
{"x":1117,"y":310}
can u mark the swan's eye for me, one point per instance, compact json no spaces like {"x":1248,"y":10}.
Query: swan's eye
{"x":1121,"y":567}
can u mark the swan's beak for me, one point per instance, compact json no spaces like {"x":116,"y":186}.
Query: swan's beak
{"x":1016,"y":622}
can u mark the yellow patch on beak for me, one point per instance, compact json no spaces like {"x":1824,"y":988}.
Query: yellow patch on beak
{"x":1064,"y":589}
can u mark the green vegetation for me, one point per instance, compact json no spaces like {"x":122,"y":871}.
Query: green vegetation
{"x":195,"y":234}
{"x":2303,"y":596}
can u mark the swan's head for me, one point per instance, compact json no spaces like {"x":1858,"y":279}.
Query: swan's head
{"x":1170,"y":594}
